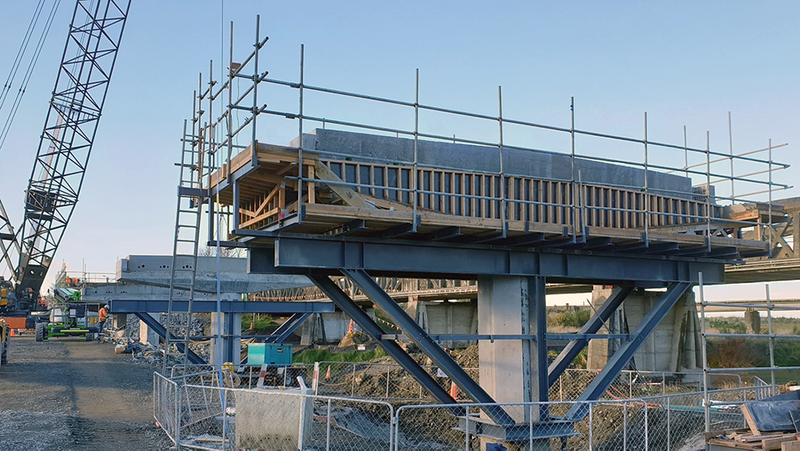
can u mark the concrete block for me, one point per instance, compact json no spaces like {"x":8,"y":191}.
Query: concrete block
{"x":273,"y":419}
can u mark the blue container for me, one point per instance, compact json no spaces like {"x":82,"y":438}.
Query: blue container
{"x":269,"y":353}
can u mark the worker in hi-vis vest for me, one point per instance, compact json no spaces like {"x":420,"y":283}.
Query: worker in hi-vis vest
{"x":103,"y":313}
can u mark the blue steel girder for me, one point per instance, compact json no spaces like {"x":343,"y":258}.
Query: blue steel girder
{"x":621,"y":358}
{"x":300,"y":254}
{"x":580,"y":341}
{"x":159,"y":329}
{"x":371,"y":328}
{"x":429,"y":347}
{"x":285,"y":330}
{"x":151,"y":306}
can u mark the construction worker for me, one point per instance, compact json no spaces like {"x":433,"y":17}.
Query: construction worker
{"x":103,"y":315}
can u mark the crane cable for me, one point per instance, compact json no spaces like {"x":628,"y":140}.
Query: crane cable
{"x":22,"y":48}
{"x":31,"y":64}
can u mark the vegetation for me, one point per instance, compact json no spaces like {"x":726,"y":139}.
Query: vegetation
{"x":259,"y":322}
{"x":727,"y":325}
{"x":323,"y":355}
{"x":571,"y":317}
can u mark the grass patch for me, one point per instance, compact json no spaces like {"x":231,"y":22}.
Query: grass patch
{"x":323,"y":355}
{"x":258,"y":322}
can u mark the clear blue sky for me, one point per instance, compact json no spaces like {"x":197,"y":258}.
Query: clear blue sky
{"x":683,"y":62}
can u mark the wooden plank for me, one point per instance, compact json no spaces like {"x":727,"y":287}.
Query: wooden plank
{"x":769,"y":416}
{"x":795,"y":415}
{"x":775,"y":443}
{"x":348,"y":195}
{"x":793,"y":445}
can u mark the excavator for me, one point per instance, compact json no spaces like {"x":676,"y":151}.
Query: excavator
{"x":65,"y":145}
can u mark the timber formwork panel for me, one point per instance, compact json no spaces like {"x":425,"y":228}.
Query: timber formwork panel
{"x":373,"y":199}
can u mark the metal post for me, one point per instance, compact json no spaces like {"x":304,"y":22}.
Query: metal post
{"x":328,"y":428}
{"x":572,"y":164}
{"x":387,"y":380}
{"x":416,"y":142}
{"x":254,"y":138}
{"x":503,"y":187}
{"x":769,"y":189}
{"x":300,"y":145}
{"x":730,"y":144}
{"x":669,"y":429}
{"x":646,"y":191}
{"x":646,"y":427}
{"x":708,"y":188}
{"x":591,"y":429}
{"x":625,"y":426}
{"x":685,"y":153}
{"x":706,"y":407}
{"x":771,"y":337}
{"x":466,"y":428}
{"x":630,"y":384}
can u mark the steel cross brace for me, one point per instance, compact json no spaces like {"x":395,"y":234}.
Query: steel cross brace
{"x":621,"y":358}
{"x":343,"y":301}
{"x":429,"y":347}
{"x":594,"y":324}
{"x":159,"y":329}
{"x":282,"y":333}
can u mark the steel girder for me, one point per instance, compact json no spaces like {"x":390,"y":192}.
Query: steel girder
{"x":580,"y":341}
{"x":161,"y":331}
{"x":402,"y":258}
{"x":282,"y":333}
{"x":442,"y":359}
{"x":151,"y":306}
{"x":624,"y":354}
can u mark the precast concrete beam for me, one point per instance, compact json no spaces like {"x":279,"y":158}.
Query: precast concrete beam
{"x":162,"y":306}
{"x":234,"y":278}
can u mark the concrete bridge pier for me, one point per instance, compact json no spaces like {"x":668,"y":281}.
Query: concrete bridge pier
{"x":514,"y":370}
{"x":231,"y":338}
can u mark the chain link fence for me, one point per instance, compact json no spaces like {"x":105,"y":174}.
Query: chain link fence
{"x":637,"y":384}
{"x":197,"y":413}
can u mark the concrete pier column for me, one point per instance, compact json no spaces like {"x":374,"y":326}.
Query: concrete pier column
{"x":231,"y":338}
{"x":752,"y":321}
{"x":147,"y":335}
{"x":674,"y":345}
{"x":513,"y":370}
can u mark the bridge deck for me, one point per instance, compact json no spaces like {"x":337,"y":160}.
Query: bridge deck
{"x":355,"y":197}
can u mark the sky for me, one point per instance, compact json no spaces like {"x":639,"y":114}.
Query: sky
{"x":684,"y":63}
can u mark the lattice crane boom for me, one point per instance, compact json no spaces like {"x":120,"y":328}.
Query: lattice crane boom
{"x":65,"y":145}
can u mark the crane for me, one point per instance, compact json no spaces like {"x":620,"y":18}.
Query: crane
{"x":65,"y":145}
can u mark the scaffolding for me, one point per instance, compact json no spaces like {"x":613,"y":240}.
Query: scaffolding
{"x":754,"y":307}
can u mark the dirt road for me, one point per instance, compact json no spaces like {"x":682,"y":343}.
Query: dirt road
{"x":70,"y":394}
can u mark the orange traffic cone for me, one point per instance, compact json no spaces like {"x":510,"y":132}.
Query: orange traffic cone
{"x":453,"y":390}
{"x":12,"y":332}
{"x":251,"y":327}
{"x":328,"y":373}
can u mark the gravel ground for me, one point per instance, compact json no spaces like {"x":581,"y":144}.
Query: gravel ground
{"x":70,"y":394}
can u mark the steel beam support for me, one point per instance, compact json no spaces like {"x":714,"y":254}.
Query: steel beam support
{"x":594,"y":324}
{"x":429,"y":347}
{"x":162,"y":332}
{"x":347,"y":305}
{"x":536,"y":294}
{"x":422,"y":260}
{"x":282,"y":333}
{"x":142,"y":306}
{"x":621,"y":358}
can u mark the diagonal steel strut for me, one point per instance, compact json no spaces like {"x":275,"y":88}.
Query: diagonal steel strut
{"x":592,"y":326}
{"x":428,"y":346}
{"x":621,"y":358}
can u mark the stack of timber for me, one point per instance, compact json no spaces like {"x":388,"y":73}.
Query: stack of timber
{"x":772,"y":425}
{"x":359,"y":196}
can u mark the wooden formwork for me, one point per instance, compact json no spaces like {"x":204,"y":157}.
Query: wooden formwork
{"x":375,"y":199}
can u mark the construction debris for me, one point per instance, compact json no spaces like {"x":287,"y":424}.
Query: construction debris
{"x":770,"y":424}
